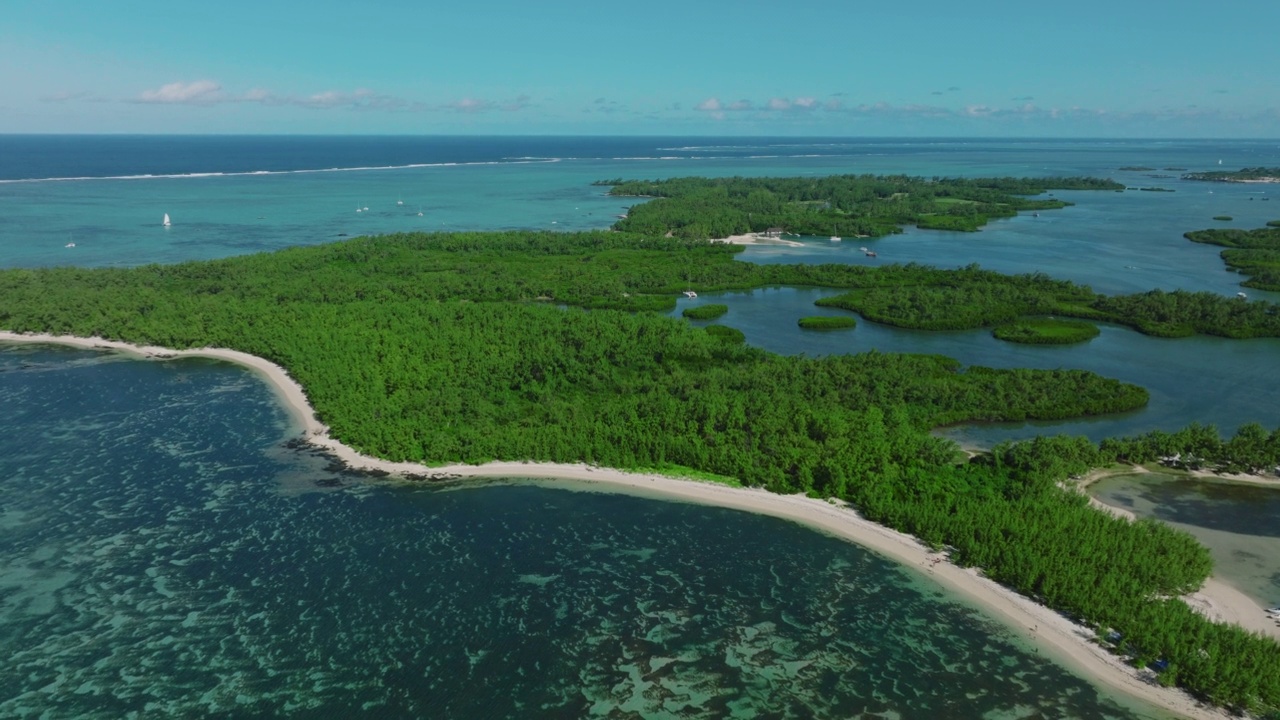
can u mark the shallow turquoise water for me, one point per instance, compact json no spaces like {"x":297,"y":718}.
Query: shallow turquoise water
{"x":1240,"y":524}
{"x":162,"y":554}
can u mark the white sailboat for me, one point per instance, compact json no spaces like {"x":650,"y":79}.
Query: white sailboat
{"x":399,"y":200}
{"x":419,"y":211}
{"x":166,"y":222}
{"x":834,"y":237}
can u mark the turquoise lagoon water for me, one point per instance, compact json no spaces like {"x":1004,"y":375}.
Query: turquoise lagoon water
{"x":1240,"y":524}
{"x":162,"y":553}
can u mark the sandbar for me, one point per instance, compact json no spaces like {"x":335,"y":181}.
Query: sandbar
{"x":1071,"y":644}
{"x":758,"y":239}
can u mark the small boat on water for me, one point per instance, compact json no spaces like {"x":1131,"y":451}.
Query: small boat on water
{"x":70,"y":244}
{"x":1242,"y":296}
{"x":166,"y":222}
{"x":690,"y":294}
{"x":871,"y":253}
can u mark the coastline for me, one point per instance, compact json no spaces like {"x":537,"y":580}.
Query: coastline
{"x":1071,"y":644}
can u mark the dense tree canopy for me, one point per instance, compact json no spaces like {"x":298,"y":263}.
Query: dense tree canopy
{"x":843,"y":205}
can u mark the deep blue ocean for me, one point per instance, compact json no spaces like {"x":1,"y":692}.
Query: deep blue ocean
{"x":165,"y":551}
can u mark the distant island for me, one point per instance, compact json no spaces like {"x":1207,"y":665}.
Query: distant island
{"x":838,"y":206}
{"x":1244,"y":175}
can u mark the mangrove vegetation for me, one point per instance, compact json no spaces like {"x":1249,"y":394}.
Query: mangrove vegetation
{"x":705,"y":312}
{"x":1046,"y":331}
{"x":827,"y":322}
{"x":1255,"y":253}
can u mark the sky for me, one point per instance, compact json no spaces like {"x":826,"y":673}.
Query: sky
{"x":1120,"y":68}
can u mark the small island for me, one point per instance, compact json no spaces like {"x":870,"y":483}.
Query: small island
{"x":1136,"y":168}
{"x":705,"y":312}
{"x":1223,"y":218}
{"x":1046,"y":331}
{"x":827,"y":322}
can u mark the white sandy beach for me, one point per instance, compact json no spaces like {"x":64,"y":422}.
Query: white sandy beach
{"x":758,"y":239}
{"x":1059,"y":638}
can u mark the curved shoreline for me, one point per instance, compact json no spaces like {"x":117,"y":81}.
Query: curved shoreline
{"x":1217,"y":600}
{"x":1069,"y":643}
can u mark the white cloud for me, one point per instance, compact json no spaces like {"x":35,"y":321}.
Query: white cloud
{"x":200,"y":92}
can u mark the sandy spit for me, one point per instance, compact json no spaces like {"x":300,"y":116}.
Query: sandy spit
{"x":758,"y":239}
{"x":1060,"y":638}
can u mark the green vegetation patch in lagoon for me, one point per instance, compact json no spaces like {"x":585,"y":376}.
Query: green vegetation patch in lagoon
{"x":1137,"y":168}
{"x":705,"y":312}
{"x":1156,"y":189}
{"x":827,"y":322}
{"x":1273,"y":223}
{"x":1046,"y":331}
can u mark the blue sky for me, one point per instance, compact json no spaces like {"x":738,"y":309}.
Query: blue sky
{"x":1082,"y":69}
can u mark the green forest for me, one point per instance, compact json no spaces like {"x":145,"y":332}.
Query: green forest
{"x":827,"y":322}
{"x":843,"y":205}
{"x":1255,"y":253}
{"x":1241,"y":175}
{"x":441,"y":348}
